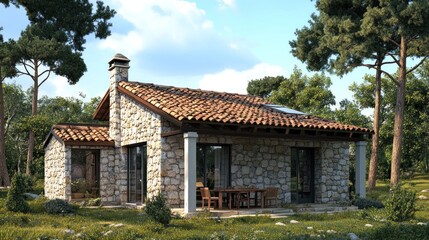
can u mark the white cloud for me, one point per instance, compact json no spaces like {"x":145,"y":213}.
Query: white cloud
{"x":230,"y":80}
{"x":173,"y":37}
{"x":168,"y":21}
{"x":207,"y":24}
{"x":128,"y":44}
{"x":58,"y":86}
{"x":226,"y":3}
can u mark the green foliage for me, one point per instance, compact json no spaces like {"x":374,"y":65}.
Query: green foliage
{"x":401,"y":204}
{"x":299,"y":92}
{"x":265,"y":86}
{"x":58,"y":206}
{"x":158,"y":210}
{"x":19,"y":123}
{"x":365,"y":203}
{"x":37,"y":205}
{"x":372,"y":214}
{"x":415,"y":153}
{"x":15,"y":200}
{"x":350,"y":113}
{"x":93,"y":202}
{"x":52,"y":43}
{"x":16,"y":106}
{"x":400,"y":232}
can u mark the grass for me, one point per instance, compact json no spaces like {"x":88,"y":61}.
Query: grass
{"x":90,"y":223}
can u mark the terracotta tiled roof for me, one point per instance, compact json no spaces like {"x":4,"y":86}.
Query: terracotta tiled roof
{"x":184,"y":104}
{"x":91,"y":134}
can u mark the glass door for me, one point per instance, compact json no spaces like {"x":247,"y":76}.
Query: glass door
{"x":137,"y":179}
{"x":302,"y":175}
{"x":213,"y":166}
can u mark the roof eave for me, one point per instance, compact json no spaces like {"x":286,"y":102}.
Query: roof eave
{"x":150,"y":106}
{"x":104,"y":104}
{"x":90,"y":143}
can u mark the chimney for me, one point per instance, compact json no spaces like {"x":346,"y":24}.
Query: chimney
{"x":118,"y":71}
{"x":118,"y":68}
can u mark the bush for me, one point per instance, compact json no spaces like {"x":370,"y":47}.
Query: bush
{"x":15,"y":200}
{"x":401,"y":204}
{"x":92,"y":202}
{"x":58,"y":206}
{"x":365,"y":203}
{"x":158,"y":210}
{"x":37,"y":205}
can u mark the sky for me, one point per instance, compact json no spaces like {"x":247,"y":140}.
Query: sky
{"x":209,"y":44}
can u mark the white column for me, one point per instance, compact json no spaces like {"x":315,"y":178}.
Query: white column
{"x":360,"y":169}
{"x":190,"y":158}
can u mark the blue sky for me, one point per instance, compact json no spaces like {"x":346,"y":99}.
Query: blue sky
{"x":209,"y":44}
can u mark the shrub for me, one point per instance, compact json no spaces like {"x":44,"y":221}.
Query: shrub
{"x":15,"y":200}
{"x":401,"y":204}
{"x":158,"y":210}
{"x":91,"y":202}
{"x":365,"y":203}
{"x":37,"y":205}
{"x":58,"y":206}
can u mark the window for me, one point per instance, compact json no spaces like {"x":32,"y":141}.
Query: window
{"x":137,"y":169}
{"x":85,"y":173}
{"x":213,"y":165}
{"x":302,"y":175}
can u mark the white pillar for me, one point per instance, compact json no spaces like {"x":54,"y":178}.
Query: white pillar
{"x":360,"y":169}
{"x":190,"y":158}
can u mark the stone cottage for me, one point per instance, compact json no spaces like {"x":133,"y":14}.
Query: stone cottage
{"x":168,"y":139}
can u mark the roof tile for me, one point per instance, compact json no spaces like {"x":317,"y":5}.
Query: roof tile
{"x":221,"y":107}
{"x":82,"y":133}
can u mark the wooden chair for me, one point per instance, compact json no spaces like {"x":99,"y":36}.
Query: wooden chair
{"x":205,"y":193}
{"x":271,"y":195}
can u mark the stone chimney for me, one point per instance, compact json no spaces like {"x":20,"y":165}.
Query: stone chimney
{"x":118,"y":71}
{"x":118,"y":68}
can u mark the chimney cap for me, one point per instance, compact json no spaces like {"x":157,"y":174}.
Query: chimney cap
{"x":119,"y":58}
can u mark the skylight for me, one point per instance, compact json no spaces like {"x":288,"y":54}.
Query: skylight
{"x":284,"y":109}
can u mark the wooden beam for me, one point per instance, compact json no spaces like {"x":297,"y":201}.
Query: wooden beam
{"x":82,"y":143}
{"x":171,"y":133}
{"x":277,"y":135}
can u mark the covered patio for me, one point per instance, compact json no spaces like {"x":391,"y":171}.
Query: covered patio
{"x":304,"y":171}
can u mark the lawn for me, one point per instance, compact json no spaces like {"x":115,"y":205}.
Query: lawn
{"x":102,"y":223}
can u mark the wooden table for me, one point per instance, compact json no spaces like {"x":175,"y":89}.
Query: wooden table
{"x":233,"y":192}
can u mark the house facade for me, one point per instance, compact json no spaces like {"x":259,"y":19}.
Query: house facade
{"x":169,"y":140}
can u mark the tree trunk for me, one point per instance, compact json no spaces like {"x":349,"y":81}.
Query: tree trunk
{"x":31,"y":138}
{"x":399,"y":115}
{"x":372,"y":175}
{"x":4,"y":175}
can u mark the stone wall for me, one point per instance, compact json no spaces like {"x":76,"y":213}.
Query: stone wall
{"x":58,"y":166}
{"x":334,"y":172}
{"x":263,"y":162}
{"x":139,"y":125}
{"x":173,"y":171}
{"x":109,"y":192}
{"x":55,"y":174}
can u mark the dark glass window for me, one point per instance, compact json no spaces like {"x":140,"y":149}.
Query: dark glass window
{"x":213,"y":165}
{"x":85,"y":173}
{"x":302,"y":175}
{"x":137,"y":177}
